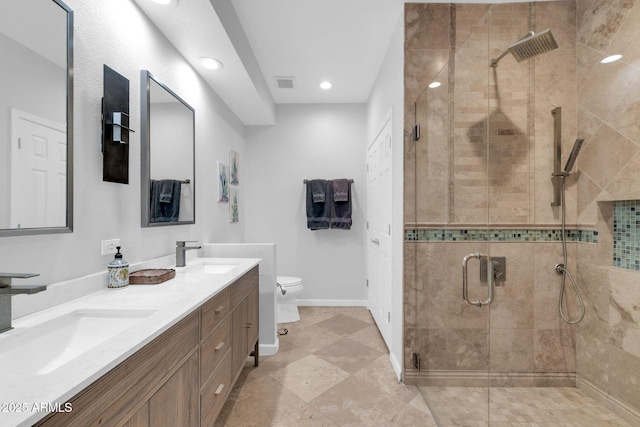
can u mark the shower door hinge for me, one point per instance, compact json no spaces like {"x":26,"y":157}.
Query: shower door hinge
{"x":416,"y":361}
{"x":367,"y":225}
{"x":19,"y":143}
{"x":416,"y":132}
{"x":388,"y":317}
{"x":367,"y":283}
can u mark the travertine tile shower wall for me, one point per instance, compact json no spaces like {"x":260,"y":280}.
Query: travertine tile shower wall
{"x":608,"y":340}
{"x":484,"y":161}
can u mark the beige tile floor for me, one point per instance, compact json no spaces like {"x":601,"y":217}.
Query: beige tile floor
{"x":332,"y":369}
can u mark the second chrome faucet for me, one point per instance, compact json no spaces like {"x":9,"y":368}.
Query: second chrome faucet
{"x":181,"y":251}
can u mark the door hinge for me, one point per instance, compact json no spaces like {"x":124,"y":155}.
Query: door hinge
{"x":19,"y":143}
{"x":389,"y":317}
{"x":389,"y":229}
{"x":367,"y":225}
{"x":367,"y":283}
{"x":416,"y":132}
{"x":416,"y":361}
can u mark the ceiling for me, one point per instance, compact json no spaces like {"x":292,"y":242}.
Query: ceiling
{"x":341,"y":41}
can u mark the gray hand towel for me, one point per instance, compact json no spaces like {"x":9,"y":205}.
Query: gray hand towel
{"x":341,"y":190}
{"x":318,"y":188}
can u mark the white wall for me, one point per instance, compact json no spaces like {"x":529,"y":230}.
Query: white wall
{"x":116,"y":33}
{"x":388,"y":94}
{"x":311,"y":141}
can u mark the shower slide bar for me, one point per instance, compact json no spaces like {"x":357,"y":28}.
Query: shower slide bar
{"x":465,"y":282}
{"x":556,"y":176}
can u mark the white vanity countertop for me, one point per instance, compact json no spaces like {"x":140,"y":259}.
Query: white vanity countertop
{"x":27,"y":398}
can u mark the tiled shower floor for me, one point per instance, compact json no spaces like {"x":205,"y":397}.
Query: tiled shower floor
{"x":518,"y":406}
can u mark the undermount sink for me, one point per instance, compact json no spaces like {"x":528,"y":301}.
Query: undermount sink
{"x":65,"y":337}
{"x":218,"y":268}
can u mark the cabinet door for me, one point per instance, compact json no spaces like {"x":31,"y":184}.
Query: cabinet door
{"x":140,"y":418}
{"x":239,"y":331}
{"x":253,"y":316}
{"x":177,"y":402}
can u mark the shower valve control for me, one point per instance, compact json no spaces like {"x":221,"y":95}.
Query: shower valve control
{"x":499,"y":269}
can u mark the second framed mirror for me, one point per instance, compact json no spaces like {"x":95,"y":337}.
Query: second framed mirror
{"x":168,"y":155}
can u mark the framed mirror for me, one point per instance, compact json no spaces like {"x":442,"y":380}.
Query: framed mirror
{"x":168,"y":155}
{"x":36,"y":119}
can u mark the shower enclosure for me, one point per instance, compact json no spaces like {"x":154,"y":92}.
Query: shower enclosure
{"x":478,"y":205}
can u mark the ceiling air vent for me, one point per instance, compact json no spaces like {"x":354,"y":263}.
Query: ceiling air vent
{"x":285,"y":82}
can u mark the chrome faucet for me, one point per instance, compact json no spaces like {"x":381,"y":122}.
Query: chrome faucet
{"x":181,"y":251}
{"x":7,"y":289}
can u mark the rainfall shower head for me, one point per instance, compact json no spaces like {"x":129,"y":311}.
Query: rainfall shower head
{"x":573,"y":156}
{"x":529,"y":46}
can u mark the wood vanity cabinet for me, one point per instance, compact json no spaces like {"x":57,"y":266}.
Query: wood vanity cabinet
{"x":184,"y":376}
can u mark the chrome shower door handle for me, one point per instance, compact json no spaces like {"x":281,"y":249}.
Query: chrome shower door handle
{"x":465,"y":282}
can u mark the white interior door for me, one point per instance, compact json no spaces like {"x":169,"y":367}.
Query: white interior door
{"x":379,"y":229}
{"x":38,"y":172}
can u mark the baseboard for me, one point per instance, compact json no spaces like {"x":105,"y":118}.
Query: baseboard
{"x":331,"y":302}
{"x":620,"y":407}
{"x":269,"y":349}
{"x":397,"y":367}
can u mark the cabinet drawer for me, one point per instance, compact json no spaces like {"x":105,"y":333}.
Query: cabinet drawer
{"x":215,"y":393}
{"x":243,"y":285}
{"x":214,"y":311}
{"x":214,"y":349}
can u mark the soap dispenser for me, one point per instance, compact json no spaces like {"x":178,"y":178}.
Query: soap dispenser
{"x":118,"y":271}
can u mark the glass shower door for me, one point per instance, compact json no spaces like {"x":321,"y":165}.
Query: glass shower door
{"x":453,"y":199}
{"x":451,"y":244}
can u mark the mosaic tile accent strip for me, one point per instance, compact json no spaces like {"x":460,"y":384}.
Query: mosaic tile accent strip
{"x":489,"y":235}
{"x":626,"y":234}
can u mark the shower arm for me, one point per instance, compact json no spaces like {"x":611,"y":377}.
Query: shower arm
{"x":494,"y":62}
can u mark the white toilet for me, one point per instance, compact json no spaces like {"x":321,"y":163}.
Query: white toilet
{"x":287,"y":289}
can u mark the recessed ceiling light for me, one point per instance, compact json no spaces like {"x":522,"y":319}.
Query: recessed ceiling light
{"x":325,"y":85}
{"x":210,"y":63}
{"x":434,"y":85}
{"x":612,"y":58}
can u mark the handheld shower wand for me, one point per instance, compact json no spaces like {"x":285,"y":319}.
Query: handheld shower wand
{"x":562,"y":268}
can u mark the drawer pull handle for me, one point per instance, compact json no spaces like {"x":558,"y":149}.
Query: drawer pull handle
{"x":219,"y":346}
{"x":219,"y":389}
{"x":219,"y":309}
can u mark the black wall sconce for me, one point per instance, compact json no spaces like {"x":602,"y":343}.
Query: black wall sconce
{"x":115,"y":127}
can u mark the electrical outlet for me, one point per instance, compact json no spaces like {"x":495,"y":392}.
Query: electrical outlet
{"x":109,"y":246}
